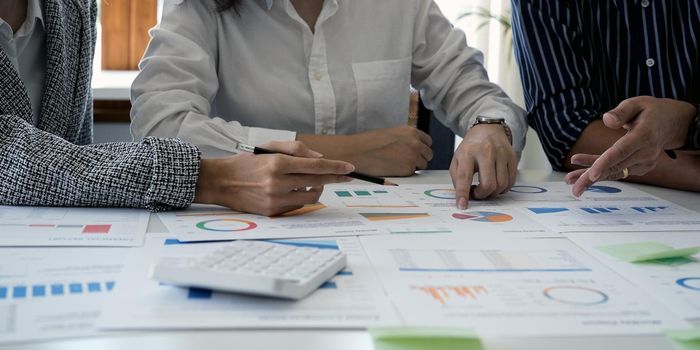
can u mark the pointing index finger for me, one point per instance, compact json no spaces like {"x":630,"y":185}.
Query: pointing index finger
{"x":617,"y":153}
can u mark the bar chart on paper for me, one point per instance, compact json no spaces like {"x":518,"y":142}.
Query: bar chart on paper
{"x":54,"y":226}
{"x":630,"y":216}
{"x":55,"y":292}
{"x":510,"y":286}
{"x":351,"y":299}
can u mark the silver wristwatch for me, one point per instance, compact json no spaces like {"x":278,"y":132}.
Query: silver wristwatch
{"x":491,"y":120}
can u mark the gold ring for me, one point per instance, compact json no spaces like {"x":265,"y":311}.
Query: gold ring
{"x":625,"y":173}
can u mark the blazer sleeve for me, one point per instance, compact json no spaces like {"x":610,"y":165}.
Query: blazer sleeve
{"x":39,"y":168}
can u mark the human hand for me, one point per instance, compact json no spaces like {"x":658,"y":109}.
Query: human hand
{"x":653,"y":125}
{"x":269,"y":184}
{"x":486,"y":150}
{"x":395,"y":151}
{"x":398,"y":151}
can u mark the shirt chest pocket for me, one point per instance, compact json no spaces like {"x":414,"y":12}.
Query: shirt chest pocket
{"x":382,"y":93}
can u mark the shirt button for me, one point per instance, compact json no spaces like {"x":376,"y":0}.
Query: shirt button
{"x":318,"y":76}
{"x":645,"y":3}
{"x":650,"y":62}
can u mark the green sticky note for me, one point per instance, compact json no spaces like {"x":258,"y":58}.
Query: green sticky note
{"x":646,"y":251}
{"x":687,"y":339}
{"x":418,"y":338}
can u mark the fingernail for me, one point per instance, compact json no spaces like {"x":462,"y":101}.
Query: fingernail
{"x":349,"y":168}
{"x":462,"y":204}
{"x":316,"y":154}
{"x":615,"y":118}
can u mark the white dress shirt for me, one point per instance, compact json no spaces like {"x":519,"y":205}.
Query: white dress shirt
{"x":26,"y":49}
{"x":260,"y":74}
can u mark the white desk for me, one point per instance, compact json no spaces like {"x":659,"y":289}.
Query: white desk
{"x":353,"y":340}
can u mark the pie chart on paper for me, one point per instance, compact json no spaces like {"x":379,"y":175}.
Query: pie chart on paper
{"x":483,"y":216}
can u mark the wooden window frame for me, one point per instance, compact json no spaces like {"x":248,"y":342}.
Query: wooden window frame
{"x":125,"y":25}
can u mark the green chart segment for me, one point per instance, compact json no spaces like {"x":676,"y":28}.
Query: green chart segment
{"x":360,"y":193}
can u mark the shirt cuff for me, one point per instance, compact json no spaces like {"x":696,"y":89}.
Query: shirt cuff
{"x":174,"y":177}
{"x":261,"y":136}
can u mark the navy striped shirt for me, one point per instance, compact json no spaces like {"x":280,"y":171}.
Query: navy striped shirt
{"x":580,"y":59}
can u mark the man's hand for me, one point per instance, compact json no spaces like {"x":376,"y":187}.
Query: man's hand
{"x":269,"y":184}
{"x":653,"y":125}
{"x":486,"y":150}
{"x":398,"y":151}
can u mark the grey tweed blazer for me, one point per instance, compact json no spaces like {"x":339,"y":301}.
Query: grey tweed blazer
{"x":52,"y":163}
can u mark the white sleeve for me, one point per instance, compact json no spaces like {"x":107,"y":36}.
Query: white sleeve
{"x":178,"y":80}
{"x":452,"y":78}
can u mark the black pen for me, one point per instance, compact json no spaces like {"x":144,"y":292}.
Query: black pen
{"x":354,"y":175}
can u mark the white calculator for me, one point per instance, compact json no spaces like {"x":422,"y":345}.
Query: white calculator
{"x":255,"y":267}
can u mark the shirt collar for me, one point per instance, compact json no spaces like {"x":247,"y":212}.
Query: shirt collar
{"x":34,"y":15}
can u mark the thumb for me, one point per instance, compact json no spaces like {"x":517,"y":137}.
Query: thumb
{"x":293,"y":148}
{"x":623,"y":114}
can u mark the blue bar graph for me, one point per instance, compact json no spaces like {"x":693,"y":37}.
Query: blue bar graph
{"x":199,"y":293}
{"x":600,"y":210}
{"x":75,"y":288}
{"x":329,"y":285}
{"x":38,"y":291}
{"x":647,"y":210}
{"x":547,"y":210}
{"x":56,"y":289}
{"x":94,"y":287}
{"x":19,"y":292}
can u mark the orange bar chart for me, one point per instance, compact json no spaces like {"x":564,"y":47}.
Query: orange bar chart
{"x":442,"y":294}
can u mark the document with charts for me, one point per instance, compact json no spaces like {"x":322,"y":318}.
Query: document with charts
{"x":214,"y":223}
{"x":501,"y":286}
{"x":345,"y":210}
{"x":63,"y":226}
{"x":48,"y":293}
{"x":352,"y":299}
{"x":605,"y":207}
{"x":675,"y":282}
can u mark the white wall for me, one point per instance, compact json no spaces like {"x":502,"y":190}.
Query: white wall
{"x":499,"y":61}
